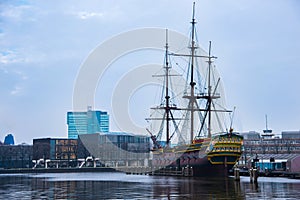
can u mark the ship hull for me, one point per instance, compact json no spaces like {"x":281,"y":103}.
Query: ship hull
{"x":191,"y":166}
{"x":208,"y":169}
{"x":205,"y":157}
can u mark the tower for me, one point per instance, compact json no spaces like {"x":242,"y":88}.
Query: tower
{"x":91,"y":121}
{"x":9,"y":139}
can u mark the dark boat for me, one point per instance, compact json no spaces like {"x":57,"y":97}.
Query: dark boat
{"x":191,"y":139}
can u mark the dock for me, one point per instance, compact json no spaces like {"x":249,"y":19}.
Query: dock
{"x":55,"y":170}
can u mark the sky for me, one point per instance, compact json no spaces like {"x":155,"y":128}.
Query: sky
{"x":43,"y":45}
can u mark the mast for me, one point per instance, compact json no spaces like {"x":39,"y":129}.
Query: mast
{"x":192,"y":83}
{"x":209,"y":96}
{"x":167,"y":97}
{"x":209,"y":91}
{"x":167,"y":107}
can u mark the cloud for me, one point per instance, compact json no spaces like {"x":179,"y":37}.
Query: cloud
{"x":86,"y":15}
{"x":17,"y":13}
{"x":9,"y":56}
{"x":16,"y":91}
{"x":21,"y":74}
{"x":95,"y":11}
{"x":21,"y":55}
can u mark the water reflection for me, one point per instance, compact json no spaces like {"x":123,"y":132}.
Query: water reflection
{"x":83,"y":190}
{"x":197,"y":188}
{"x":271,"y":188}
{"x":122,"y":186}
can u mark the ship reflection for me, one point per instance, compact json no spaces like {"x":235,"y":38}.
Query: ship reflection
{"x":198,"y":188}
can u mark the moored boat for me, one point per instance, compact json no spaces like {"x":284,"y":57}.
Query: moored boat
{"x":203,"y":147}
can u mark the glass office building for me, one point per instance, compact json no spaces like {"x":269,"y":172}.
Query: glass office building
{"x":59,"y":152}
{"x":9,"y":139}
{"x":87,"y":122}
{"x":54,"y":149}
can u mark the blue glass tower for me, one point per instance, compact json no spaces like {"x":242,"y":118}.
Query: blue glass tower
{"x":9,"y":139}
{"x":87,"y":123}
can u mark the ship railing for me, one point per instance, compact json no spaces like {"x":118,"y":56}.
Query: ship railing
{"x":226,"y":149}
{"x":237,"y":141}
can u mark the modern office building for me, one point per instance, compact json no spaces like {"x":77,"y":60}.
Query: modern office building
{"x":115,"y":149}
{"x":15,"y":156}
{"x":251,"y":135}
{"x":58,"y":152}
{"x":290,"y":134}
{"x":88,"y":122}
{"x":9,"y":139}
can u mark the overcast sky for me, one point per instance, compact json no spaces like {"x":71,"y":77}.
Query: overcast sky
{"x":44,"y":43}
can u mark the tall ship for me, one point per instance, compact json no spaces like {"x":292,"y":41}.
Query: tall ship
{"x":190,"y":135}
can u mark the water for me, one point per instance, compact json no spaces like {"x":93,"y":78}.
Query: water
{"x":122,"y":186}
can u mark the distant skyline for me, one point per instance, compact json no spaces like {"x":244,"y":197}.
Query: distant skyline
{"x":44,"y":43}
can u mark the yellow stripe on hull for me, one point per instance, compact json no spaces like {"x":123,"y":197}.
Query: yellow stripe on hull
{"x":213,"y":155}
{"x":221,"y":163}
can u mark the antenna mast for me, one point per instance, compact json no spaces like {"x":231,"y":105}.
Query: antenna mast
{"x":266,"y":122}
{"x":268,"y":132}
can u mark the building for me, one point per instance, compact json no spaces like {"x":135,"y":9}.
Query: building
{"x":271,"y":153}
{"x":276,"y":162}
{"x":115,"y":149}
{"x":55,"y":152}
{"x":290,"y":134}
{"x":293,"y":164}
{"x":289,"y":143}
{"x":251,"y":135}
{"x":9,"y":139}
{"x":87,"y":122}
{"x":16,"y":156}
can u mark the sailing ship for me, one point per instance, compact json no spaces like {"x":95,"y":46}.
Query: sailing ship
{"x":201,"y":146}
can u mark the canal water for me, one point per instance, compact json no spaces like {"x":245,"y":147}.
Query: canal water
{"x":122,"y":186}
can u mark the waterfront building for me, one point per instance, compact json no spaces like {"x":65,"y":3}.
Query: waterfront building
{"x":88,"y":122}
{"x":289,"y":143}
{"x":251,"y":135}
{"x":115,"y":149}
{"x":255,"y":145}
{"x":55,"y":152}
{"x":290,"y":134}
{"x":9,"y":139}
{"x":15,"y":156}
